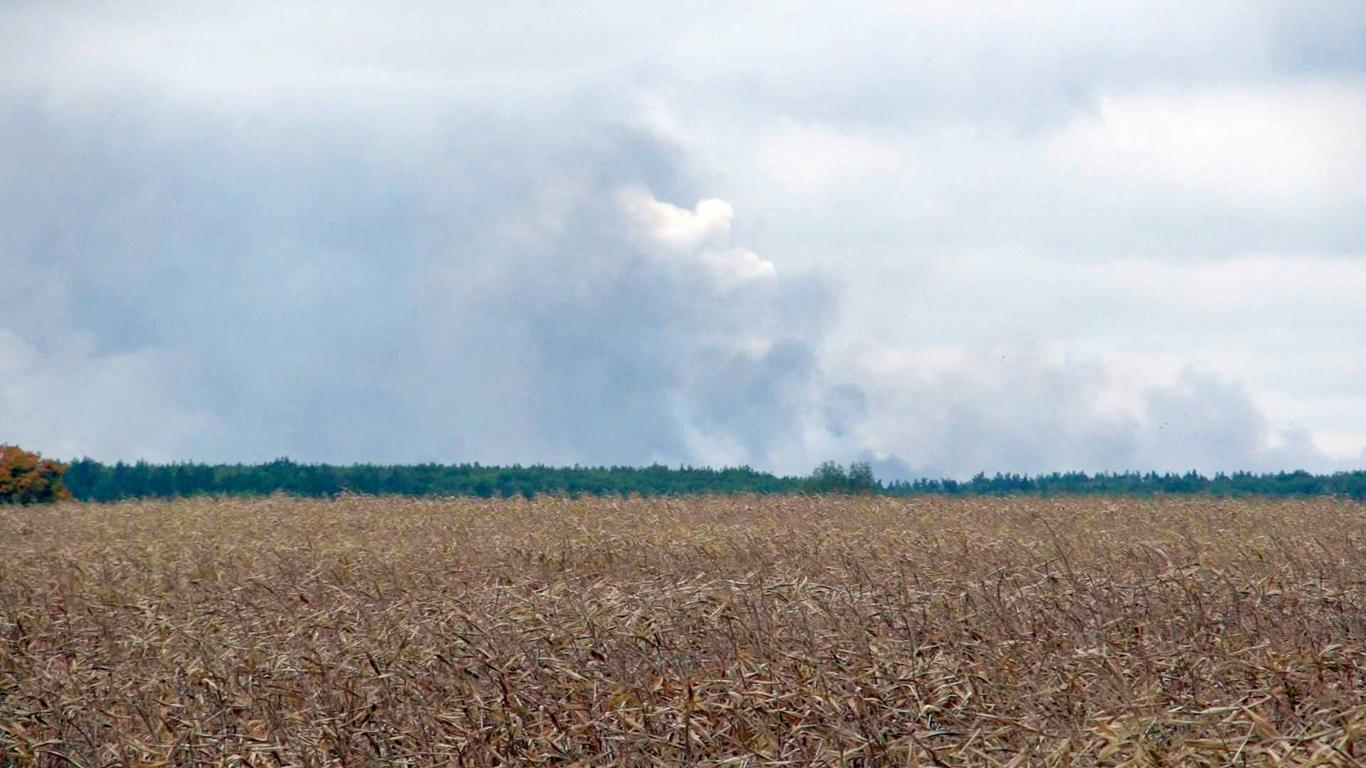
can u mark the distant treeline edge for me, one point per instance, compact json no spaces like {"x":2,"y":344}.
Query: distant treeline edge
{"x":91,"y":480}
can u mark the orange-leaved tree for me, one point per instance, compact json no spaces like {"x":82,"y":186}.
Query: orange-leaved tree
{"x":27,"y":478}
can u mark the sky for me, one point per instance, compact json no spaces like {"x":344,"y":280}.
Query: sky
{"x":943,"y":238}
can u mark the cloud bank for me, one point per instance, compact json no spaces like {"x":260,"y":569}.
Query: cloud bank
{"x":943,"y":239}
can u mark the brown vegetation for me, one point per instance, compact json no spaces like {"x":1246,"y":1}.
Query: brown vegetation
{"x":741,"y":631}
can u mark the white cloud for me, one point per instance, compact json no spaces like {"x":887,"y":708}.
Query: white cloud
{"x":692,"y":237}
{"x":1171,"y":173}
{"x":671,"y":225}
{"x":1279,"y":150}
{"x":812,"y":159}
{"x":736,"y":265}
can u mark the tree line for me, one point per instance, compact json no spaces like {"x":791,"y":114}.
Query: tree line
{"x":87,"y":479}
{"x":91,"y":480}
{"x":1298,"y":483}
{"x":26,"y":477}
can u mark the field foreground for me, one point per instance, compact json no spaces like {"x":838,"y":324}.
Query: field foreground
{"x":736,"y":631}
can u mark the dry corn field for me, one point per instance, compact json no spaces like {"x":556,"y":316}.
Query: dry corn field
{"x":715,"y":631}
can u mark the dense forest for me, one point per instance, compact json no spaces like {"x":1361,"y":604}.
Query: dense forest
{"x":91,"y":480}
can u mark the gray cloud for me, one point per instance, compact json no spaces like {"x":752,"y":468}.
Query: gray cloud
{"x":307,"y":301}
{"x":1030,"y":414}
{"x":239,"y":231}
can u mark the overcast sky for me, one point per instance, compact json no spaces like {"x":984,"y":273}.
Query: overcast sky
{"x":943,"y":237}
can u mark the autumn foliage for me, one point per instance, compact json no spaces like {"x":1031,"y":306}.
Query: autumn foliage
{"x":28,"y":478}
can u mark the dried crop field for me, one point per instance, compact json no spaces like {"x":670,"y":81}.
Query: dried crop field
{"x":715,"y":631}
